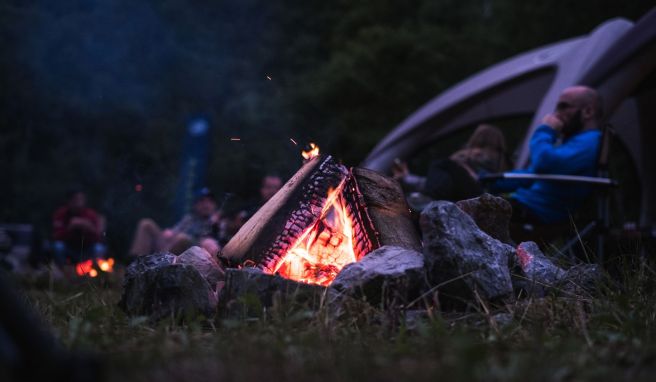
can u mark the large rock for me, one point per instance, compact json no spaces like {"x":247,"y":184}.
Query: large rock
{"x":462,"y":258}
{"x":491,"y":214}
{"x":158,"y":287}
{"x":248,"y":291}
{"x":388,"y":275}
{"x":533,"y":272}
{"x":204,"y":263}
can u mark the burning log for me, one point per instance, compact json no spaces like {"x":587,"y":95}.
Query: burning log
{"x":296,"y":206}
{"x":324,"y":218}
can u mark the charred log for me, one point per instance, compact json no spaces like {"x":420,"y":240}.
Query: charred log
{"x":294,"y":208}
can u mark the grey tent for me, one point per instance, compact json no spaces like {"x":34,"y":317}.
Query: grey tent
{"x":618,"y":58}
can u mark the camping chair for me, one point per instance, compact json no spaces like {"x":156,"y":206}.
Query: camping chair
{"x":599,"y":226}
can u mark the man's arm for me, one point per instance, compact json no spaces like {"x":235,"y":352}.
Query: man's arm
{"x":59,"y":226}
{"x":571,"y":157}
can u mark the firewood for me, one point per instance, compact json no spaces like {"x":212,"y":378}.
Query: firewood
{"x":387,"y":209}
{"x":281,"y":220}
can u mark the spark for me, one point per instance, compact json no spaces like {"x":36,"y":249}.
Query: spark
{"x":293,"y":141}
{"x":268,"y":78}
{"x":235,"y":139}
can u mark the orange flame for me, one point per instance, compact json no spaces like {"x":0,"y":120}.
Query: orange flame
{"x":311,"y":153}
{"x":86,"y":267}
{"x":106,"y":265}
{"x":323,"y":249}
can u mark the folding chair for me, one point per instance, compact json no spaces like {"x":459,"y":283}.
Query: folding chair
{"x":599,"y":226}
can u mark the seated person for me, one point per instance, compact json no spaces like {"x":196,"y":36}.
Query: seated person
{"x":455,"y":178}
{"x":77,"y":231}
{"x":195,"y":228}
{"x":567,"y":142}
{"x":232,"y":221}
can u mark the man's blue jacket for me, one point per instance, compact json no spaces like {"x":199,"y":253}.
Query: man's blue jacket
{"x":554,"y":201}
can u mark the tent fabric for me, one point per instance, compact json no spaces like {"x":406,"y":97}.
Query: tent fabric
{"x":615,"y":58}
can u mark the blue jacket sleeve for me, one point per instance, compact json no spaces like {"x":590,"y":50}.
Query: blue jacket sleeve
{"x":570,"y":157}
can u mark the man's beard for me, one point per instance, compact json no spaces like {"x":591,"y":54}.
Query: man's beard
{"x":574,"y":125}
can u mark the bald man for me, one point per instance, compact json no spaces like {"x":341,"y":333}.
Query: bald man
{"x":567,"y":142}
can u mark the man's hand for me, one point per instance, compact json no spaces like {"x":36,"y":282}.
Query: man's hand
{"x":168,"y":233}
{"x":399,"y":169}
{"x":553,"y":121}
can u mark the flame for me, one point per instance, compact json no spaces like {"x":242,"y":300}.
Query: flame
{"x":323,"y":249}
{"x":86,"y":268}
{"x":311,"y":153}
{"x":106,"y":265}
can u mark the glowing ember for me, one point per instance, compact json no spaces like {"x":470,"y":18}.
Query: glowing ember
{"x":312,"y":152}
{"x":323,"y":249}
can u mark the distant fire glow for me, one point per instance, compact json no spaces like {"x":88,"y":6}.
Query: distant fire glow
{"x":87,"y":268}
{"x":311,"y":152}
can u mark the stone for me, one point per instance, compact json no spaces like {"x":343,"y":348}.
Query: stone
{"x":389,"y":275}
{"x":581,"y":280}
{"x":492,"y":215}
{"x":460,"y":258}
{"x":142,"y":264}
{"x":204,"y":263}
{"x":248,"y":291}
{"x":533,"y":272}
{"x":158,"y":286}
{"x":174,"y":290}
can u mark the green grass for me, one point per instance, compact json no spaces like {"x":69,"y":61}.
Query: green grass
{"x":610,"y":337}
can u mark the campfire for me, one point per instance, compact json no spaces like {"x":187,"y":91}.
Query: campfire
{"x":324,"y":248}
{"x":325,"y":217}
{"x":91,"y":269}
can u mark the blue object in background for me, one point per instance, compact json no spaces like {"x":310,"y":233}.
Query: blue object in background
{"x":193,"y":171}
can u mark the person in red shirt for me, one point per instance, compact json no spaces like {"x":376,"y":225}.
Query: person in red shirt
{"x":77,"y":230}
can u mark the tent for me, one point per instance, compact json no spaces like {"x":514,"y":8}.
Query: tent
{"x":618,"y":58}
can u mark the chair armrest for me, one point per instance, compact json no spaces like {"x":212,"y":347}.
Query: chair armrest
{"x":593,"y":180}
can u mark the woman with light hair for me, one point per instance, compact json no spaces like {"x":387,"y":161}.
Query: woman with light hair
{"x":455,"y":178}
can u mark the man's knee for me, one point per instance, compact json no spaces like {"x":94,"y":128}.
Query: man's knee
{"x":147,"y":223}
{"x":210,"y":245}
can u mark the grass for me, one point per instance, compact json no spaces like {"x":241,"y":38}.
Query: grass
{"x":610,"y":337}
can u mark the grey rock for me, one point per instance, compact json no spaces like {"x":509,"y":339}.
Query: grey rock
{"x":204,"y":263}
{"x":581,"y":280}
{"x":248,"y":291}
{"x":533,"y":271}
{"x":168,"y":290}
{"x":462,"y":258}
{"x":142,"y":264}
{"x":491,"y":214}
{"x":389,"y":275}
